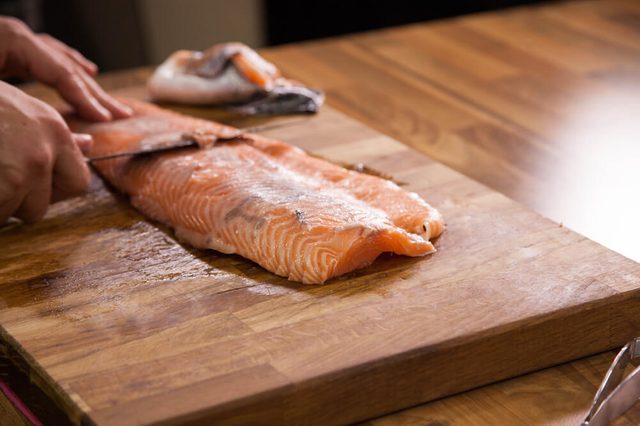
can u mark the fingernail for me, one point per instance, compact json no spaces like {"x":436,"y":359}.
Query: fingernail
{"x":104,"y":113}
{"x":84,"y":142}
{"x":82,"y":137}
{"x":126,"y":110}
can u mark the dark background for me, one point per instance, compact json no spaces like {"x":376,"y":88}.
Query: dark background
{"x":110,"y":32}
{"x":290,"y":21}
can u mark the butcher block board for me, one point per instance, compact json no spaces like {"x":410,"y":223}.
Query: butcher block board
{"x":118,"y":323}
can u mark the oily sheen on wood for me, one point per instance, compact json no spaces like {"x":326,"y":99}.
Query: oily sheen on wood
{"x":122,"y":324}
{"x":537,"y":102}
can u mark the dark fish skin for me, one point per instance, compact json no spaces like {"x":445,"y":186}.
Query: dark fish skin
{"x":215,"y":64}
{"x":286,"y":99}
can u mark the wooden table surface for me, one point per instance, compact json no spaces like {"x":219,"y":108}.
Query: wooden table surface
{"x":540,"y":103}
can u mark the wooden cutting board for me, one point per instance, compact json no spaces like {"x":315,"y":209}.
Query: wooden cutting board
{"x":120,"y":324}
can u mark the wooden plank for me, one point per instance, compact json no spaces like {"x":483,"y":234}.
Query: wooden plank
{"x":555,"y":396}
{"x":117,"y":317}
{"x":434,"y":118}
{"x":544,"y":136}
{"x":539,"y":103}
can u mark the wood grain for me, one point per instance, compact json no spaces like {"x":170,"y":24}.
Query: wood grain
{"x":539,"y":103}
{"x":555,"y":396}
{"x":126,"y":326}
{"x":509,"y":135}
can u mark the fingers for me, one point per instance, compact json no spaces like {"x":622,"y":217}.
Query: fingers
{"x":26,"y":189}
{"x":90,"y":101}
{"x":11,"y":193}
{"x":84,"y":142}
{"x":88,"y":66}
{"x":74,"y":90}
{"x":36,"y":202}
{"x":38,"y":155}
{"x":70,"y":174}
{"x":54,"y":63}
{"x":27,"y":196}
{"x":7,"y":207}
{"x":117,"y":109}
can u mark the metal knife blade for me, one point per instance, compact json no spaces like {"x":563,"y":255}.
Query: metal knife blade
{"x":171,"y":141}
{"x":164,"y":142}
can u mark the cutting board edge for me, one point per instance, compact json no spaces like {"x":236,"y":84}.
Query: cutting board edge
{"x":628,"y":302}
{"x":310,"y":382}
{"x":56,"y":395}
{"x":287,"y":397}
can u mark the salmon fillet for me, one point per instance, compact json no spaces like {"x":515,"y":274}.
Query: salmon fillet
{"x":297,"y":216}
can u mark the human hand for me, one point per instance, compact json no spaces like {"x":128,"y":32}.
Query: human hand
{"x":40,"y":159}
{"x":42,"y":57}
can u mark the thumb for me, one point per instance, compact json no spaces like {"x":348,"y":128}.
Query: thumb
{"x":84,"y":142}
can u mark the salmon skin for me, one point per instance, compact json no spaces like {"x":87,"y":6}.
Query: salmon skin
{"x":232,"y":74}
{"x":297,"y":216}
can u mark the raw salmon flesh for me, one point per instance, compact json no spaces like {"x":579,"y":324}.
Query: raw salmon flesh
{"x":297,"y":216}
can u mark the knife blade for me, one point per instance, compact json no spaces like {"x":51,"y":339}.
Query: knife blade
{"x":164,"y":142}
{"x":170,"y":141}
